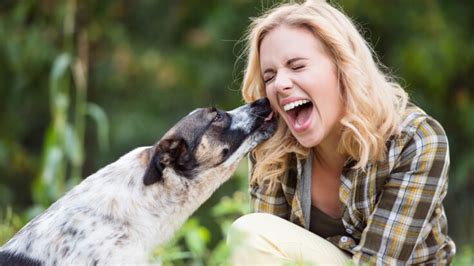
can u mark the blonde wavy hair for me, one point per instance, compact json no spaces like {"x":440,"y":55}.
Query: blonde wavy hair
{"x":374,"y":101}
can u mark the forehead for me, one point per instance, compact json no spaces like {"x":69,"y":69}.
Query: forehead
{"x":286,"y":42}
{"x":191,"y":124}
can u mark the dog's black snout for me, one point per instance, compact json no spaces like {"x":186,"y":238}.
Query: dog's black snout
{"x":261,"y":107}
{"x":262,"y":102}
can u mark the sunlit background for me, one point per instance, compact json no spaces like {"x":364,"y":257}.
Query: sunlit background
{"x":83,"y":82}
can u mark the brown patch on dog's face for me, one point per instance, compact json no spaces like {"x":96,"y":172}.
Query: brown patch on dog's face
{"x":210,"y":152}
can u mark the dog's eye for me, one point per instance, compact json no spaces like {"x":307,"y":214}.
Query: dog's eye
{"x":218,"y":117}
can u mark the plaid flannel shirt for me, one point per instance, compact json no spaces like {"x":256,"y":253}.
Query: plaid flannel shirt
{"x":393,"y":212}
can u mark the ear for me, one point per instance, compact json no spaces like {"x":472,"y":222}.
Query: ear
{"x":165,"y":153}
{"x":174,"y":151}
{"x":154,"y":171}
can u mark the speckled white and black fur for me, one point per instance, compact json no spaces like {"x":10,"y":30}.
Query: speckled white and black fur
{"x":121,"y":213}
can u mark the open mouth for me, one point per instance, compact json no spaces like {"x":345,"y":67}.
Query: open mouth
{"x":269,"y":117}
{"x":268,"y":122}
{"x":299,"y":113}
{"x":256,"y":118}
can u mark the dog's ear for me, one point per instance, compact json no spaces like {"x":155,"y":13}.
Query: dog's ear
{"x":173,"y":150}
{"x":154,"y":171}
{"x":165,"y":153}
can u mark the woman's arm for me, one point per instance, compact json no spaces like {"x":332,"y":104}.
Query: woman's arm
{"x":416,"y":186}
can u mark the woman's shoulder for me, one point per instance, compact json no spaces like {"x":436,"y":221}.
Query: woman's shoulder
{"x":420,"y":135}
{"x":416,"y":122}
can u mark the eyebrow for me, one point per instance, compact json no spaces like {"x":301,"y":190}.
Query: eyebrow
{"x":288,"y":62}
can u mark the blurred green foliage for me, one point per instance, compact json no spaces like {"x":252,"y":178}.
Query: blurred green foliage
{"x":86,"y":81}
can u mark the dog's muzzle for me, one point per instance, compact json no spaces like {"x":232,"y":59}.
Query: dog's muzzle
{"x":255,"y":118}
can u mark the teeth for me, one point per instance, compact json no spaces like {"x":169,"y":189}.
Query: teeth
{"x":294,"y":104}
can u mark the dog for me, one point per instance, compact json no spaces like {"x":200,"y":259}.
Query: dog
{"x":122,"y":212}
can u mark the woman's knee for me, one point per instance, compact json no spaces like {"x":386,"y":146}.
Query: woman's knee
{"x":251,"y":242}
{"x":244,"y":227}
{"x":253,"y":229}
{"x":267,"y":238}
{"x":251,"y":223}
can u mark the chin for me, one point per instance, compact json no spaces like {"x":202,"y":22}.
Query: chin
{"x":308,"y":141}
{"x":308,"y":145}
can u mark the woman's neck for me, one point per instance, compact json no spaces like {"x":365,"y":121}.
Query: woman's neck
{"x":326,"y":182}
{"x":327,"y":156}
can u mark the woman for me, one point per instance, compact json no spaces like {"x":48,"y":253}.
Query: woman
{"x":355,"y":171}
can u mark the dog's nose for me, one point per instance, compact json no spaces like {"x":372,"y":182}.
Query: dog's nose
{"x":262,"y":102}
{"x":261,"y":107}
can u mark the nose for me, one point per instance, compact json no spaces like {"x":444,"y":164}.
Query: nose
{"x":262,"y":102}
{"x":283,"y":82}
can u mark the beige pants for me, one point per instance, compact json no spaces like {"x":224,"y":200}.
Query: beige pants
{"x":265,"y":239}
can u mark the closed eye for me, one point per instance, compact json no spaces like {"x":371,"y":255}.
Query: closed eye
{"x":268,"y":76}
{"x":268,"y":79}
{"x":298,"y":67}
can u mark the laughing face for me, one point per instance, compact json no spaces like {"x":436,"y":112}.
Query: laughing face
{"x":301,"y":82}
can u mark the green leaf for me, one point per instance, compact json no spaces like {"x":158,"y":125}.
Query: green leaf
{"x":72,"y":146}
{"x":50,"y":184}
{"x":60,"y":65}
{"x":59,"y":93}
{"x":220,"y":255}
{"x":196,"y":240}
{"x":54,"y":159}
{"x":102,"y":122}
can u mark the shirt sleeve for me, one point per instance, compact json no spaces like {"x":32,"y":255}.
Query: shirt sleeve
{"x":416,"y":186}
{"x":267,"y":197}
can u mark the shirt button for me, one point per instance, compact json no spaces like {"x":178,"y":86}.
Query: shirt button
{"x":344,"y":239}
{"x":349,"y":231}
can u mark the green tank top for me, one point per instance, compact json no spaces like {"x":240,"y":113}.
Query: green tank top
{"x":325,"y":226}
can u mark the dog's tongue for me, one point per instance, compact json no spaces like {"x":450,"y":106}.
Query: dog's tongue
{"x":269,"y":117}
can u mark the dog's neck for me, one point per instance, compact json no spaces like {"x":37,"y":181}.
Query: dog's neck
{"x":153,"y":212}
{"x":181,"y":198}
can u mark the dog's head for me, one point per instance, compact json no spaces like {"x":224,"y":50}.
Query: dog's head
{"x":208,"y":137}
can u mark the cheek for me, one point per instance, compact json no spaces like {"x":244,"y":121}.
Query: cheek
{"x":335,"y":98}
{"x":331,"y":108}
